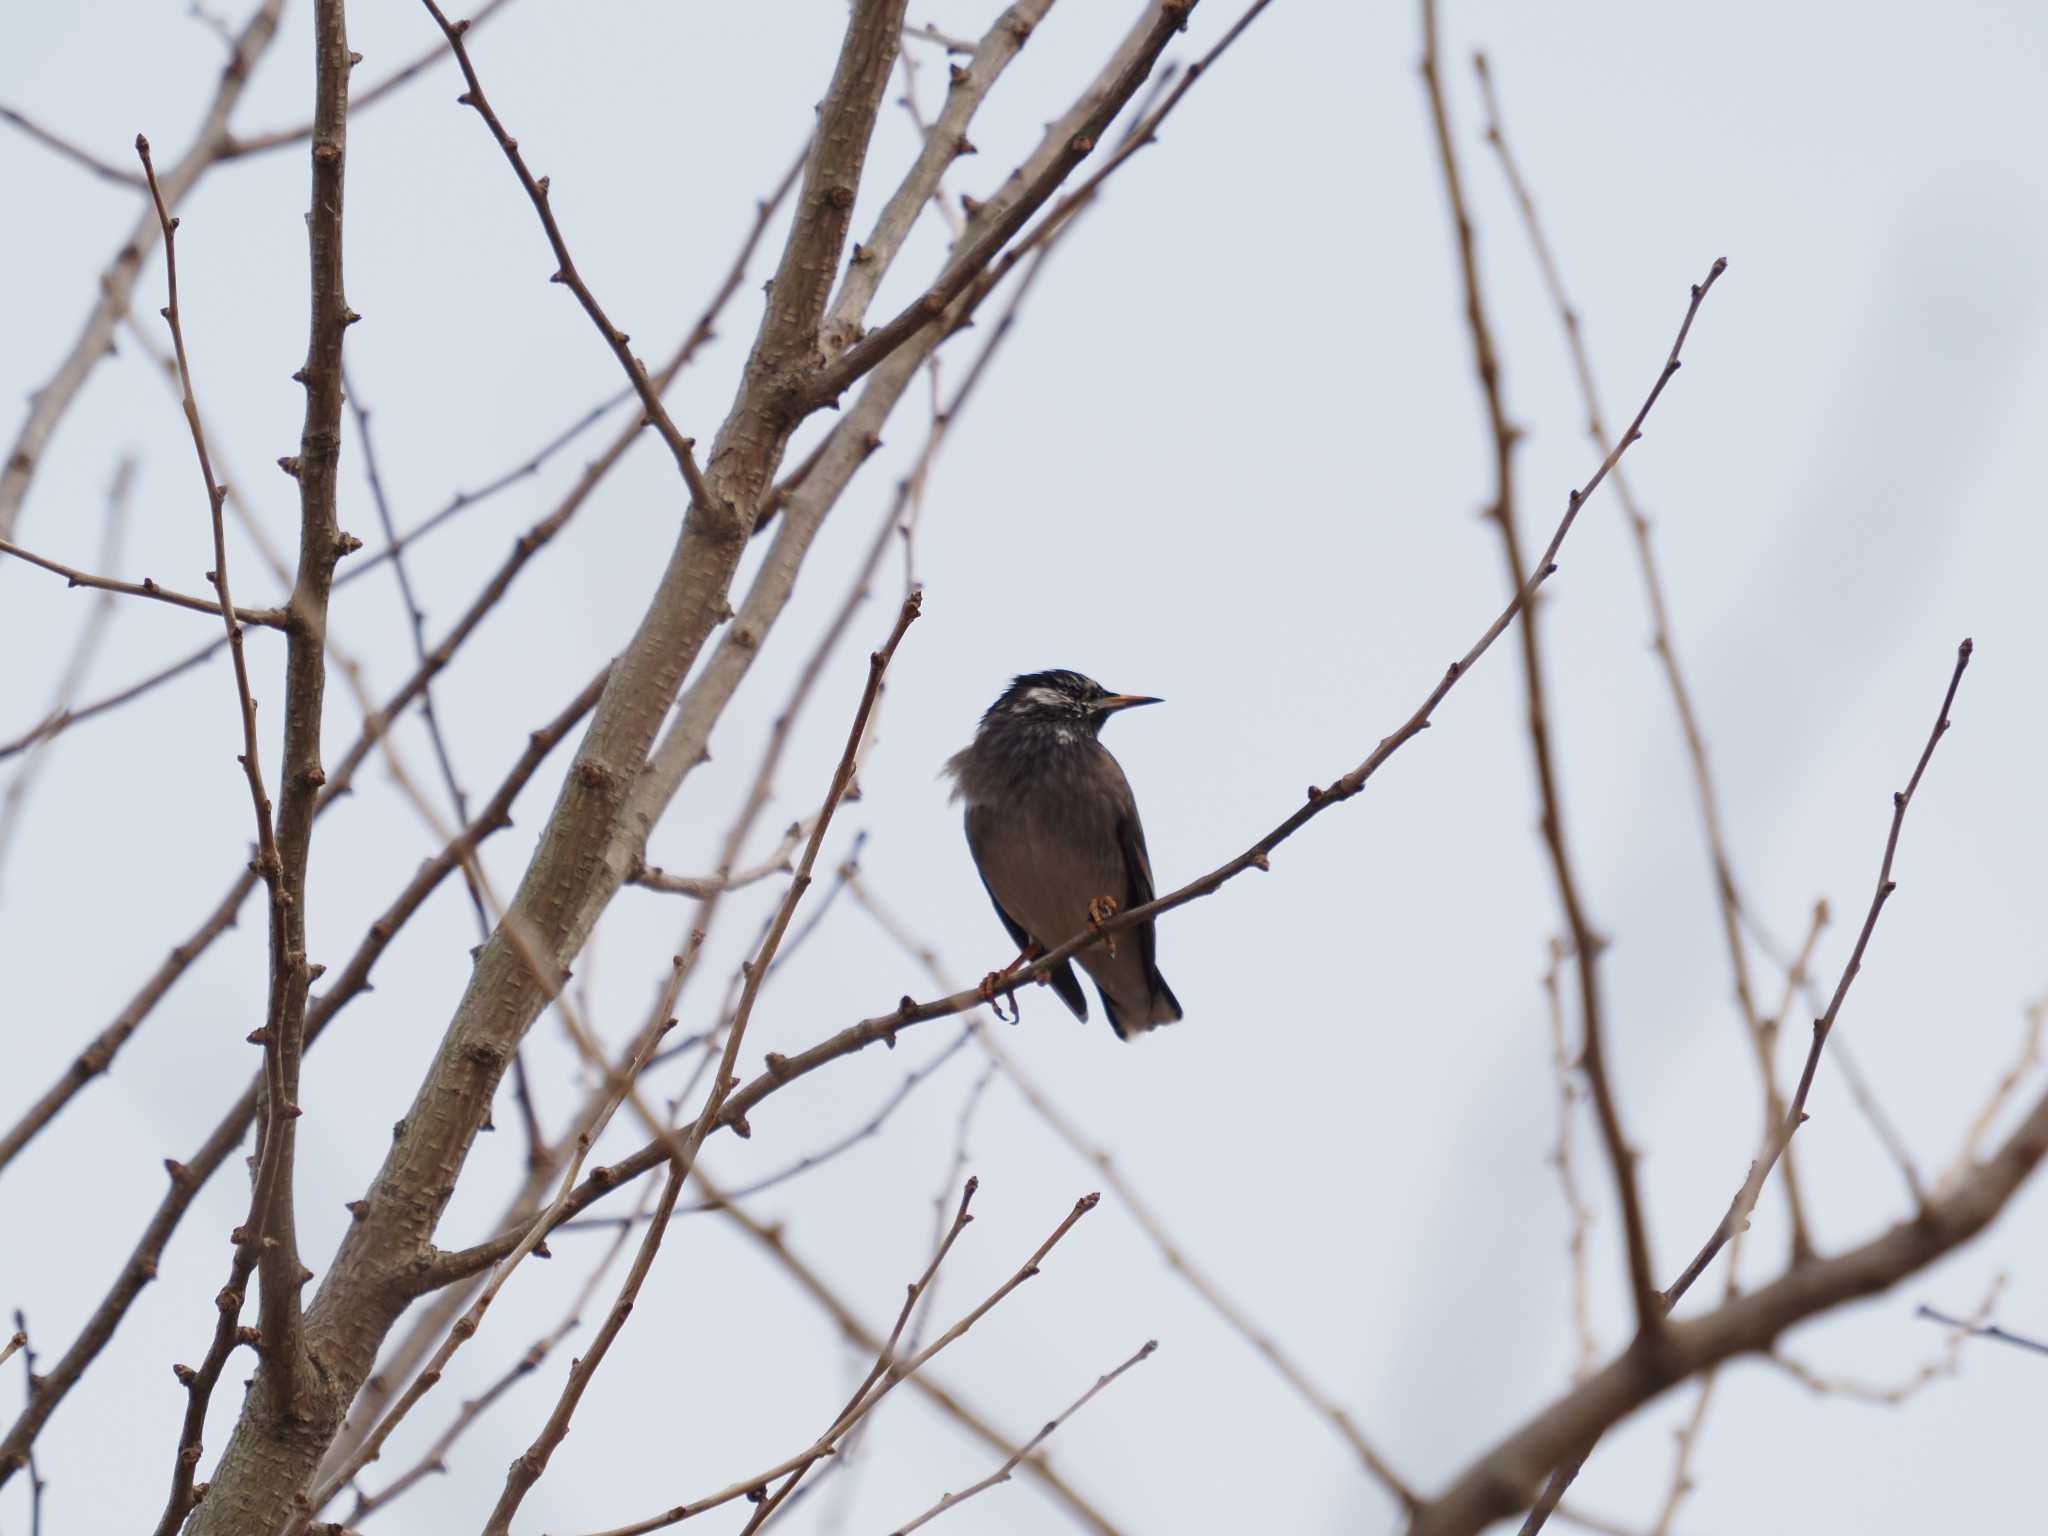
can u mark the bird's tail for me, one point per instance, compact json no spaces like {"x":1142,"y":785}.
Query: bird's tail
{"x":1160,"y":1007}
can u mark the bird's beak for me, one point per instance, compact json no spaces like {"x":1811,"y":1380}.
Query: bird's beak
{"x":1118,"y":701}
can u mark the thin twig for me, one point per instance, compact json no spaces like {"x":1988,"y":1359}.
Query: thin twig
{"x":1795,"y":1114}
{"x":926,"y":32}
{"x":416,"y":618}
{"x":774,"y":1242}
{"x":114,"y":285}
{"x":2001,"y":1094}
{"x":1865,"y":1097}
{"x":239,"y":145}
{"x":92,"y":634}
{"x":120,"y":175}
{"x":701,"y":886}
{"x":681,"y":447}
{"x":1002,"y":1473}
{"x":882,"y":1378}
{"x":525,"y":469}
{"x":31,"y":1384}
{"x":886,"y":1358}
{"x":54,"y":725}
{"x":1984,"y":1331}
{"x":258,"y":618}
{"x":1579,"y":1215}
{"x":1947,"y":1363}
{"x":865,"y":1131}
{"x":249,"y":1238}
{"x":1177,"y":1259}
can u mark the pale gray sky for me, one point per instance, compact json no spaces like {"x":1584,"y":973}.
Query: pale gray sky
{"x":1233,"y":457}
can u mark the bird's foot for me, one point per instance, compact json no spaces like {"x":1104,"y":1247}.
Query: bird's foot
{"x":1100,"y":910}
{"x":989,"y":995}
{"x":993,"y":983}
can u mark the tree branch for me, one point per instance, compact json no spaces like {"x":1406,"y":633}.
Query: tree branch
{"x":1002,"y":1473}
{"x":1761,"y":1031}
{"x":116,"y":282}
{"x":1496,"y":1484}
{"x":1134,"y":61}
{"x":259,"y":618}
{"x":1586,"y":944}
{"x":1736,"y":1218}
{"x":681,"y":447}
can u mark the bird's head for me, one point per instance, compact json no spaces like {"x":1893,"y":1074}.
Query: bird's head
{"x":1062,"y":701}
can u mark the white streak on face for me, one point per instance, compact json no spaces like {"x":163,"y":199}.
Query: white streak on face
{"x":1044,"y":698}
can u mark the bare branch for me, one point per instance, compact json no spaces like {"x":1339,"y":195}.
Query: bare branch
{"x":1002,"y":1473}
{"x":2002,"y":1092}
{"x":682,"y":448}
{"x":31,"y":1384}
{"x":1068,"y":143}
{"x":701,"y":886}
{"x":1177,"y":1258}
{"x":120,"y":175}
{"x":944,"y":142}
{"x":1737,"y":1217}
{"x":1984,"y":1331}
{"x":56,"y":723}
{"x":116,"y":283}
{"x":1493,"y":1485}
{"x":260,"y":618}
{"x":85,"y":650}
{"x":1762,"y":1030}
{"x":239,"y":145}
{"x":1947,"y":1363}
{"x":887,"y":1372}
{"x":1795,"y":1114}
{"x":1579,"y":1215}
{"x":1586,"y":944}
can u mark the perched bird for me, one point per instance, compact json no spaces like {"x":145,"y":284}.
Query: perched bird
{"x":1055,"y":833}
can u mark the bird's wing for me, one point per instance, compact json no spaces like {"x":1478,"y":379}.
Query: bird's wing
{"x":1138,"y":864}
{"x":1061,"y":977}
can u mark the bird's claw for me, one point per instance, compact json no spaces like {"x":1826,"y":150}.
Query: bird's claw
{"x":989,"y":995}
{"x":994,"y":982}
{"x":1100,"y":910}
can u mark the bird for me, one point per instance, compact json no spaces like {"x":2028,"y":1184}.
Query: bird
{"x":1054,"y":831}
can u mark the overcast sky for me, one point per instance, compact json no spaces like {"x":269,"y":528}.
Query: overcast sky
{"x":1233,"y":456}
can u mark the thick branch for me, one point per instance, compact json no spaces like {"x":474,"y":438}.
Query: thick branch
{"x":1132,"y":65}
